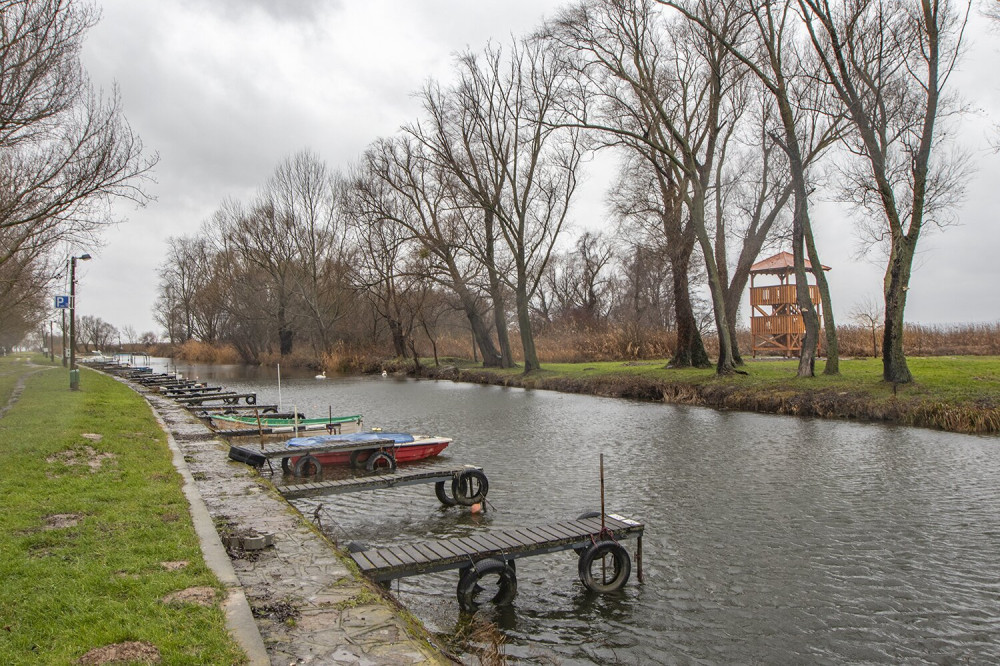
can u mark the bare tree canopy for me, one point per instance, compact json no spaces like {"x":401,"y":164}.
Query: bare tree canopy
{"x":65,"y":149}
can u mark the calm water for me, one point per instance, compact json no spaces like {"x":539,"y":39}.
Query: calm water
{"x":768,"y":539}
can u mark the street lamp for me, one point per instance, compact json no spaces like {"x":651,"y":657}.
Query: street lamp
{"x":74,"y":373}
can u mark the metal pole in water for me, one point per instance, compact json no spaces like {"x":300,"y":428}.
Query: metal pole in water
{"x":602,"y":492}
{"x":279,"y":387}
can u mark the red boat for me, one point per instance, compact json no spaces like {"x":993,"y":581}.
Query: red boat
{"x":372,"y":450}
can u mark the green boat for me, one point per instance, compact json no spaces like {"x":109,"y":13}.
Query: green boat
{"x":333,"y":424}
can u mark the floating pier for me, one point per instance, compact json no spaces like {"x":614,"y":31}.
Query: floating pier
{"x":307,"y":464}
{"x":226,"y":398}
{"x":468,"y":484}
{"x":604,"y":564}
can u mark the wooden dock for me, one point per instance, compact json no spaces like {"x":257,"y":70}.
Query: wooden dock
{"x":259,"y":455}
{"x":205,"y":411}
{"x":438,"y":476}
{"x":226,"y":398}
{"x":383,"y":564}
{"x":482,"y":556}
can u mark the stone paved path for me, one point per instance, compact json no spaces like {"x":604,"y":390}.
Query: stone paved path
{"x":309,"y":607}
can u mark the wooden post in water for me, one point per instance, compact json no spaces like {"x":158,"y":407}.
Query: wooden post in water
{"x":260,"y":428}
{"x":279,"y":387}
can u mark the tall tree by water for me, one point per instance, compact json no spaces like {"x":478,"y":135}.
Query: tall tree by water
{"x":889,"y":62}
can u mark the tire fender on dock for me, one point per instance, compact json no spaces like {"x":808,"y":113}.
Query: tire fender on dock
{"x":469,"y":588}
{"x":307,"y":466}
{"x":594,"y":558}
{"x":470,"y":487}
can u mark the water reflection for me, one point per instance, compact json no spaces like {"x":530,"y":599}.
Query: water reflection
{"x":768,"y":539}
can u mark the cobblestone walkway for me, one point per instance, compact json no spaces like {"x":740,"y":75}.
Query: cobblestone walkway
{"x":309,"y":607}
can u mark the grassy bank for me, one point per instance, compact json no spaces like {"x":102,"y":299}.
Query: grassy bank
{"x":95,"y":533}
{"x":955,"y":393}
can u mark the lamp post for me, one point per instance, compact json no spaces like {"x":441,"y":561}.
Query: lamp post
{"x":74,"y":374}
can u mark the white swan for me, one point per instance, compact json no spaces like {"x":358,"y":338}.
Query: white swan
{"x":385,"y":374}
{"x":321,"y":375}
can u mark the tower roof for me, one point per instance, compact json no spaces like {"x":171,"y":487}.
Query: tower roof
{"x":780,"y":264}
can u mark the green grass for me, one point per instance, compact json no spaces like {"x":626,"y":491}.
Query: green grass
{"x":958,"y":393}
{"x":69,"y":589}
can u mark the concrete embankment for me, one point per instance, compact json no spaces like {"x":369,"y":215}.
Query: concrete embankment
{"x":303,"y":601}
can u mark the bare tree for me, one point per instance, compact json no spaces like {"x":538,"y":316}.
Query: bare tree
{"x":667,"y":92}
{"x":307,"y":193}
{"x":450,"y":137}
{"x":768,"y":47}
{"x":65,"y":150}
{"x":869,"y":313}
{"x":889,"y":62}
{"x":513,"y":160}
{"x":401,"y":183}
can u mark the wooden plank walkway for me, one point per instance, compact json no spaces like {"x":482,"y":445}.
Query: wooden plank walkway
{"x":253,"y":430}
{"x":374,"y":482}
{"x":228,"y":398}
{"x":207,"y":410}
{"x":382,"y":564}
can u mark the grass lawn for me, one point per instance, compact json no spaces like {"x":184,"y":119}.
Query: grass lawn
{"x":91,"y":526}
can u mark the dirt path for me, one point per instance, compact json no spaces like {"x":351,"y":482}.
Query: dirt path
{"x":15,"y":395}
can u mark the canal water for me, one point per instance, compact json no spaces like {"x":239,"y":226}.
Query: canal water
{"x":768,"y":539}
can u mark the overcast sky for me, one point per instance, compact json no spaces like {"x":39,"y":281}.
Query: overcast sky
{"x":224,"y":90}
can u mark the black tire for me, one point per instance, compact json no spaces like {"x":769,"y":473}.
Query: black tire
{"x":269,"y":410}
{"x":442,"y":494}
{"x":286,"y":465}
{"x":381,"y":460}
{"x":307,"y":466}
{"x":356,"y":461}
{"x":491,"y":571}
{"x":470,"y":487}
{"x":251,"y":400}
{"x":598,"y":574}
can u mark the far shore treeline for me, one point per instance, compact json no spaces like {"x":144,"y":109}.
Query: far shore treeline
{"x":453,"y":237}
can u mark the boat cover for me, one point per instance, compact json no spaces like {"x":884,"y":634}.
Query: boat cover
{"x":350,"y":438}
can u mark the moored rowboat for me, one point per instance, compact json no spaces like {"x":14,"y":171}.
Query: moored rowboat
{"x":387,"y":448}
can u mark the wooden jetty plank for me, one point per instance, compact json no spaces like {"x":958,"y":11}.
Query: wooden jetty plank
{"x":511,"y":543}
{"x":561,"y":530}
{"x":389,"y":556}
{"x":373,"y":556}
{"x":487,"y":544}
{"x":363,"y":562}
{"x":440,"y":552}
{"x":427,"y":552}
{"x":374,"y":482}
{"x":414,"y":553}
{"x":448,"y":547}
{"x":505,"y":539}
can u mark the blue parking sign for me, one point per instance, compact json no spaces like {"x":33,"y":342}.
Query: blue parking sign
{"x":62,"y":302}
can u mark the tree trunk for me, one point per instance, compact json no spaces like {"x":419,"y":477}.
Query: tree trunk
{"x":832,"y":345}
{"x":480,"y":331}
{"x":690,"y":351}
{"x":894,"y":367}
{"x":500,"y":321}
{"x":398,"y":339}
{"x":527,"y":337}
{"x":285,"y":335}
{"x":725,"y":364}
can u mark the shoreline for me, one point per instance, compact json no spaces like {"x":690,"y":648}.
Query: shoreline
{"x":911,"y":405}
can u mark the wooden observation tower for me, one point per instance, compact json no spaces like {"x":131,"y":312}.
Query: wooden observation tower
{"x":776,"y":324}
